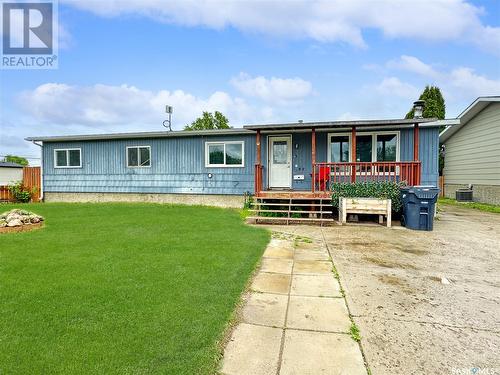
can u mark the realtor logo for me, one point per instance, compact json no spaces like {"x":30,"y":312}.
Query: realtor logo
{"x":28,"y":35}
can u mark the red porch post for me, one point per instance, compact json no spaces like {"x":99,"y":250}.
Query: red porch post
{"x":415,"y":142}
{"x":353,"y":153}
{"x":313,"y":158}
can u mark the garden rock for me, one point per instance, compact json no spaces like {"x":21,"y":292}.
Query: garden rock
{"x":17,"y":217}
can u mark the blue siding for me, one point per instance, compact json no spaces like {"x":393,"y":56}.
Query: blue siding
{"x":177,"y":166}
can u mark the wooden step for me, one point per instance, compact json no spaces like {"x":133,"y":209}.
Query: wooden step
{"x":294,"y":211}
{"x":289,"y":218}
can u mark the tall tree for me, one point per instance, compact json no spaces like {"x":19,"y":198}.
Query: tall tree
{"x":16,"y":159}
{"x":434,"y":103}
{"x":209,"y":121}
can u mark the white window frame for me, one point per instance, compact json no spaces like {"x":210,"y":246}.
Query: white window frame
{"x":224,"y":143}
{"x":67,"y":150}
{"x":374,"y":143}
{"x":138,"y":156}
{"x":374,"y":146}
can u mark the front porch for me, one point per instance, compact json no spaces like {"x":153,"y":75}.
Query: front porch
{"x":305,"y":162}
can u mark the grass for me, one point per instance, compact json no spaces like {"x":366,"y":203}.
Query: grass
{"x":354,"y":331}
{"x":475,"y":205}
{"x":122,"y":288}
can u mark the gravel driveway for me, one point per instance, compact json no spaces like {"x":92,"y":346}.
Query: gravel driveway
{"x":410,"y":321}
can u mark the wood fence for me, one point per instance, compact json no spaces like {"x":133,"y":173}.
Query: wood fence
{"x":441,"y":186}
{"x":31,"y":181}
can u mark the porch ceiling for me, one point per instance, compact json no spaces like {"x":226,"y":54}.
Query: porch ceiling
{"x":341,"y":124}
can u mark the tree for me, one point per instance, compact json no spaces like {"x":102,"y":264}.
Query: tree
{"x":434,"y":108}
{"x":209,"y":121}
{"x":434,"y":103}
{"x":16,"y":159}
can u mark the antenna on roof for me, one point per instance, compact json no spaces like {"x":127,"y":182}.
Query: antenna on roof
{"x":168,"y":123}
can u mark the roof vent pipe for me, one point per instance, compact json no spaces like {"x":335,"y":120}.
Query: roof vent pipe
{"x":301,"y":121}
{"x":418,"y":108}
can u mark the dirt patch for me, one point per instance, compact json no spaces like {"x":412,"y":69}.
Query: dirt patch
{"x":22,"y":228}
{"x":390,"y":264}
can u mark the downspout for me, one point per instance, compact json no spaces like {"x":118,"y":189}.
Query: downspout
{"x":41,"y":168}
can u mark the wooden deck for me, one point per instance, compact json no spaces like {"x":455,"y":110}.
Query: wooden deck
{"x":293,"y":194}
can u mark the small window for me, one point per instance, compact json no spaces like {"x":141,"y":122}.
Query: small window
{"x":139,"y":156}
{"x":68,"y":158}
{"x":224,"y":154}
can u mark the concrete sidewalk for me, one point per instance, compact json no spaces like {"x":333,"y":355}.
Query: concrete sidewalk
{"x":295,"y":320}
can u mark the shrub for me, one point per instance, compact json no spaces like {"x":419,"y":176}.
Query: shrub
{"x":369,"y":189}
{"x":20,"y":192}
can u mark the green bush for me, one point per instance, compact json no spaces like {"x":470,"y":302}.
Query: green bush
{"x":20,"y":192}
{"x":369,"y":189}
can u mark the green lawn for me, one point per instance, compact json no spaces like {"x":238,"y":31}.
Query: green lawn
{"x":475,"y":205}
{"x":122,"y":288}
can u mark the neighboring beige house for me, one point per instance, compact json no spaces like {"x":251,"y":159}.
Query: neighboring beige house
{"x":472,"y":151}
{"x":10,"y":172}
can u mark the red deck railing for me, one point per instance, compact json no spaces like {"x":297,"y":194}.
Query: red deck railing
{"x":324,"y":174}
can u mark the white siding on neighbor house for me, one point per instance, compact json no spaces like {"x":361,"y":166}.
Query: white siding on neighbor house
{"x":8,"y":175}
{"x":473,"y":153}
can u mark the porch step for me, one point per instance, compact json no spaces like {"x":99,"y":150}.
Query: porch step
{"x":289,"y":219}
{"x":292,"y":208}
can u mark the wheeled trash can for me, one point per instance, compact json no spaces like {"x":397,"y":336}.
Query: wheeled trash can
{"x":419,"y":204}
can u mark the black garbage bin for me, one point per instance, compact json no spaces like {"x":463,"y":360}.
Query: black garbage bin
{"x":419,"y":203}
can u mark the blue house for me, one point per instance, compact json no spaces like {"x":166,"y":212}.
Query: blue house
{"x":218,"y":167}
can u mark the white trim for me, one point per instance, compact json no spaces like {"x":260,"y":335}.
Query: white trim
{"x":138,"y":157}
{"x":67,"y":158}
{"x":224,"y":143}
{"x":329,"y":144}
{"x":289,"y":138}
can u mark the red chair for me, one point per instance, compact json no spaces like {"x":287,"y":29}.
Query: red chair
{"x":322,"y":177}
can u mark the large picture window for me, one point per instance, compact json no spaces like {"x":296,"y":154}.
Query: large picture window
{"x":68,"y":158}
{"x":370,"y":147}
{"x":139,"y":156}
{"x":224,"y":154}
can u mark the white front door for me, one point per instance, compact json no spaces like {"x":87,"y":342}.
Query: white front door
{"x":280,"y":162}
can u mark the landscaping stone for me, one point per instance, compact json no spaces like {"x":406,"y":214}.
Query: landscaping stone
{"x":17,"y":218}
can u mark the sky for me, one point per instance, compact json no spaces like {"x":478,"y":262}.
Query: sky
{"x":120,"y":62}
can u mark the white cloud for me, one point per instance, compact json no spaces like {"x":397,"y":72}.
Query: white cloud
{"x":466,"y":81}
{"x":320,"y":20}
{"x":277,"y":90}
{"x":394,"y":86}
{"x":459,"y":82}
{"x":101,"y":105}
{"x":414,"y":65}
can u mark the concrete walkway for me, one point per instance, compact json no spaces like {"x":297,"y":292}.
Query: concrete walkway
{"x":294,"y":320}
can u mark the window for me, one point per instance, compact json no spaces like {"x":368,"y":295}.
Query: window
{"x":339,"y":149}
{"x":386,"y":147}
{"x":280,"y":152}
{"x":68,"y":158}
{"x":224,"y":154}
{"x":364,"y":148}
{"x":139,"y":156}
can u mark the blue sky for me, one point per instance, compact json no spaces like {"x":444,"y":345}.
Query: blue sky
{"x":121,"y":62}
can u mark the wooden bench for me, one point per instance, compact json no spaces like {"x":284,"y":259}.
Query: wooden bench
{"x":372,"y":206}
